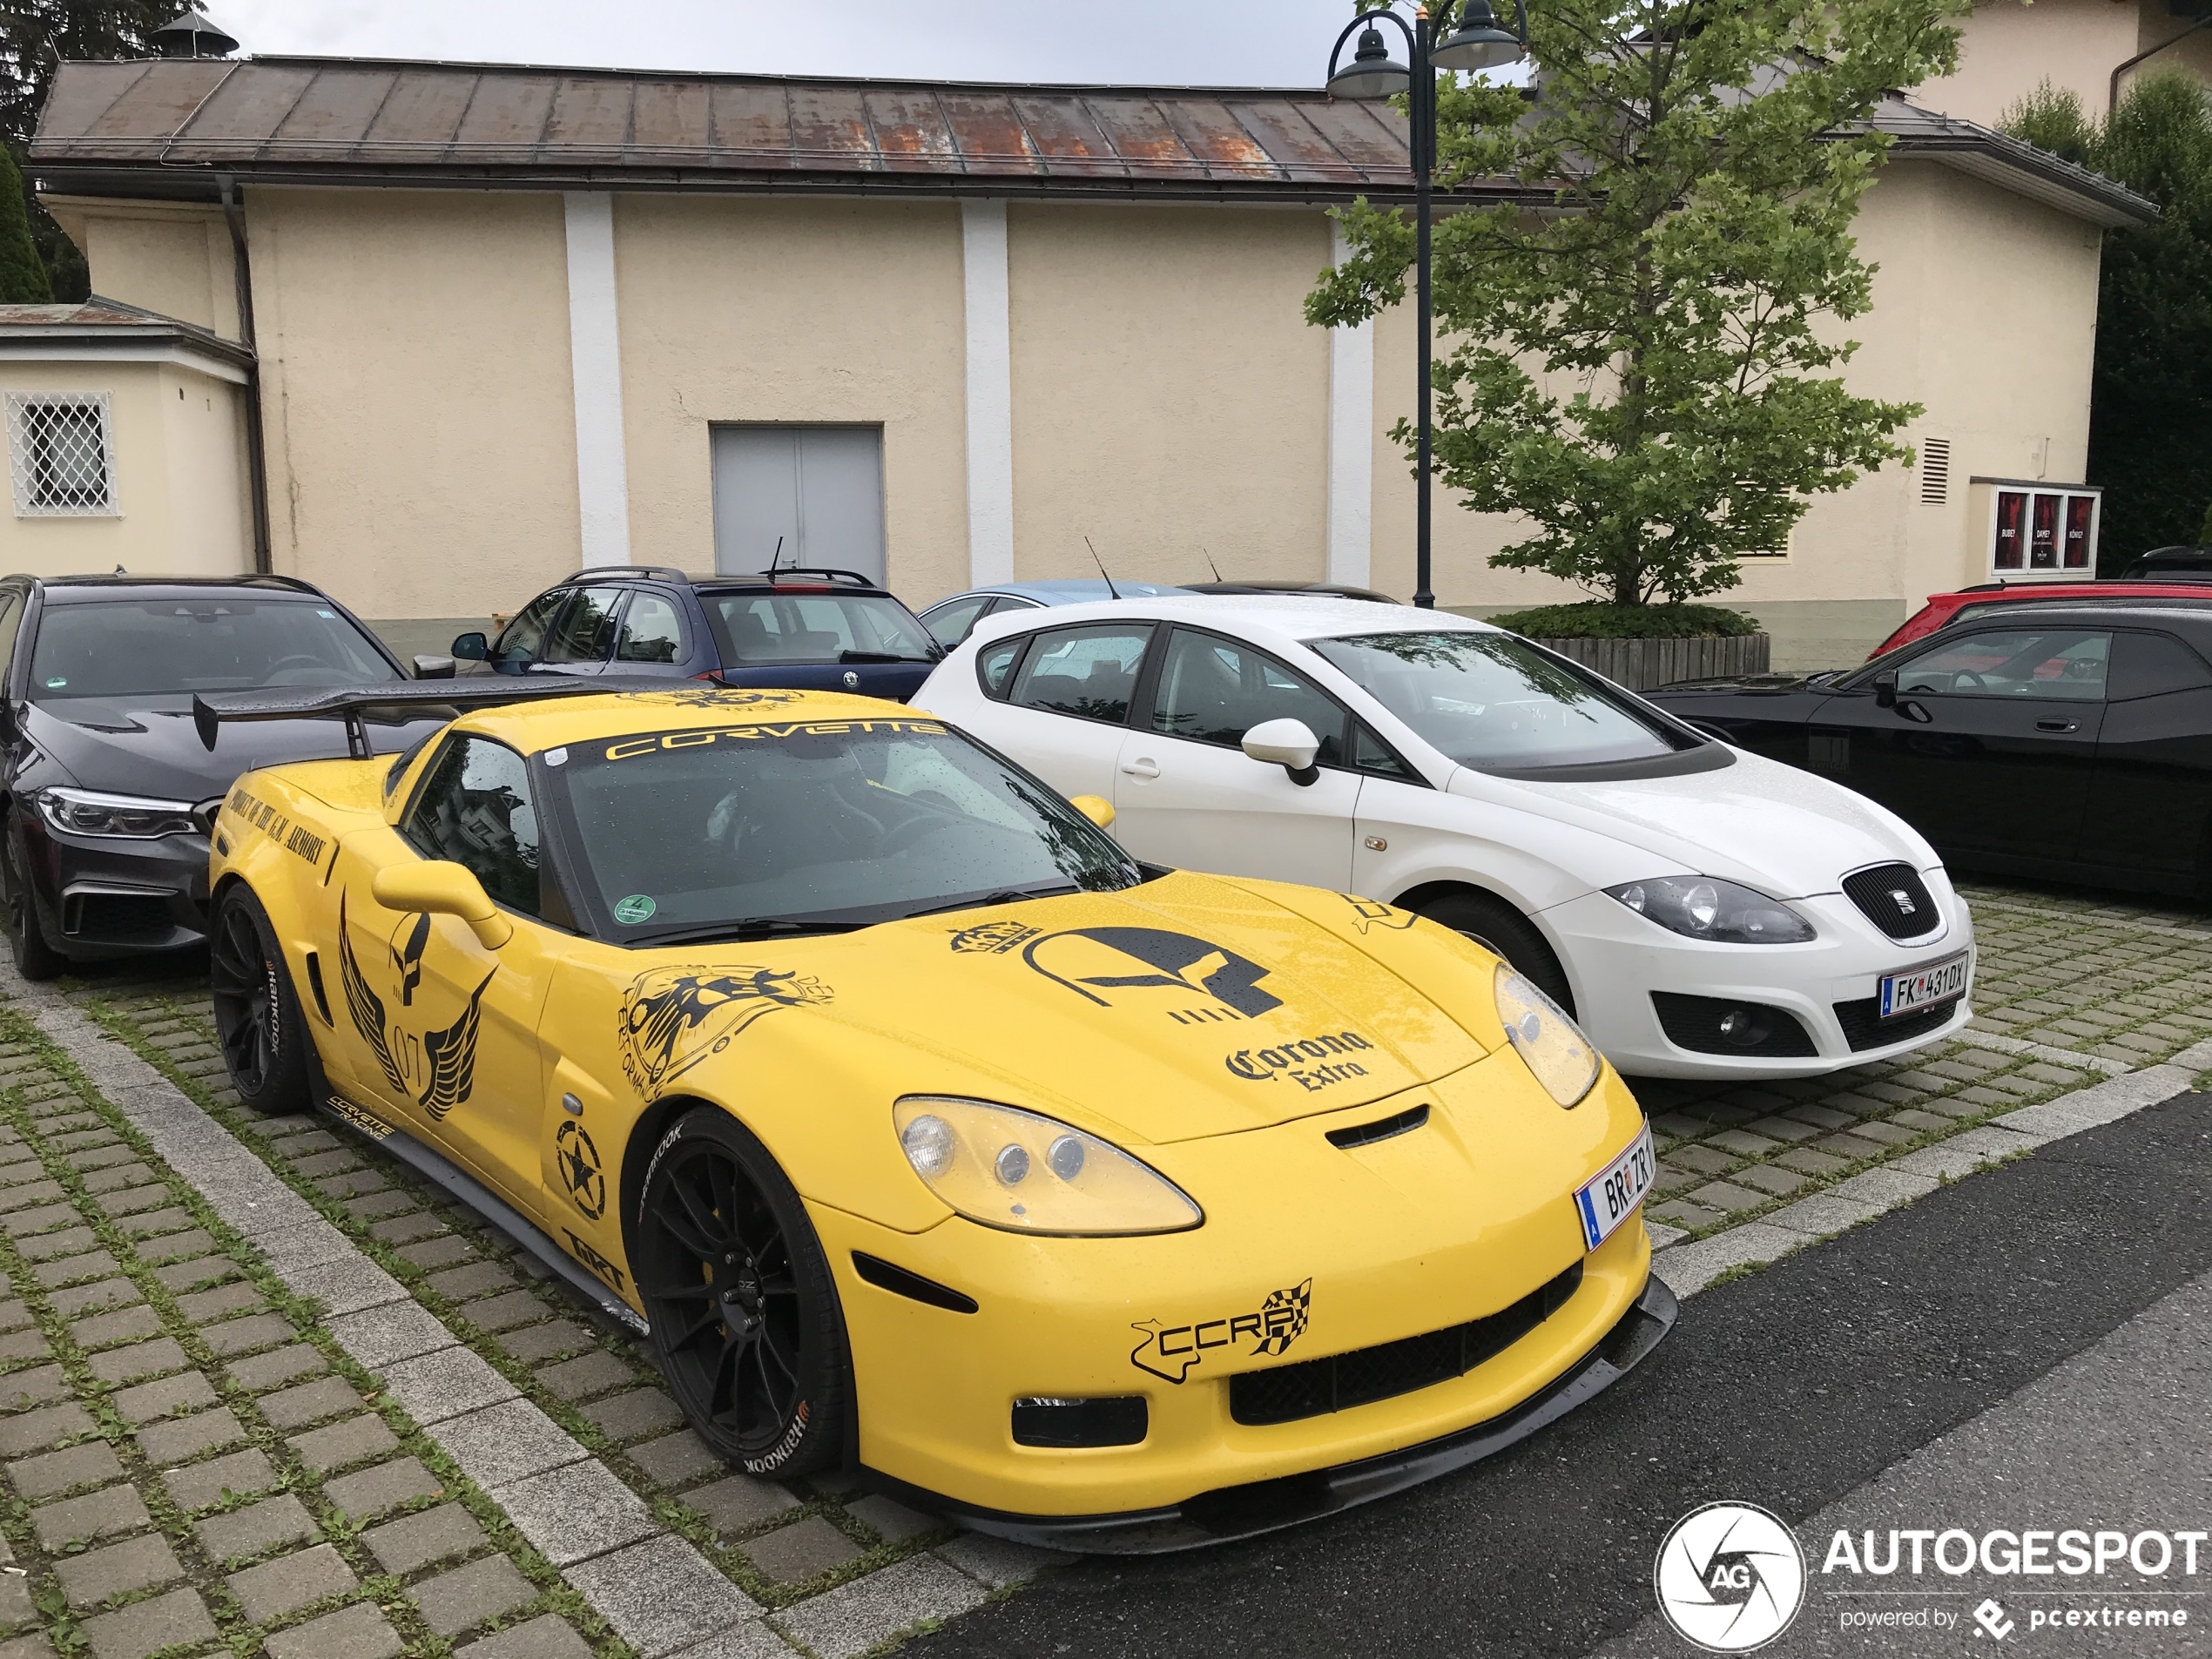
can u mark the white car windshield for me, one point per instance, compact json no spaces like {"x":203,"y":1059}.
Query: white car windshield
{"x":1495,"y":704}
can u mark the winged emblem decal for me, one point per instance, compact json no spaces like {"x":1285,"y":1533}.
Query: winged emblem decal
{"x":442,"y":1062}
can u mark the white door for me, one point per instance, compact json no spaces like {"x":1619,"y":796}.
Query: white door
{"x":816,"y":492}
{"x":1067,"y":712}
{"x":1186,"y":794}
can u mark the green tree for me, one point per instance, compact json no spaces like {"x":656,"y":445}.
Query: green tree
{"x":2150,"y":410}
{"x":1645,"y":374}
{"x":23,"y":278}
{"x":36,"y":36}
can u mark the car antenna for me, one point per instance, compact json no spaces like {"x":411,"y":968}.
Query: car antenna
{"x":778,"y":557}
{"x":1210,"y":565}
{"x":1101,"y":564}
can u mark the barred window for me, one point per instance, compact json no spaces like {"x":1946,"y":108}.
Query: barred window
{"x":61,"y":451}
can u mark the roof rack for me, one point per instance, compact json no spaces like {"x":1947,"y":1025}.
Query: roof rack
{"x":631,"y":570}
{"x":442,"y":699}
{"x":93,"y":579}
{"x":818,"y":573}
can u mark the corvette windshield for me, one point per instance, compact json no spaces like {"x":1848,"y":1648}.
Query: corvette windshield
{"x":1494,"y":704}
{"x":868,"y":821}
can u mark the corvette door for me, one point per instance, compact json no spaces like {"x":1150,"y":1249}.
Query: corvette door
{"x":438,"y":1029}
{"x":1188,"y":796}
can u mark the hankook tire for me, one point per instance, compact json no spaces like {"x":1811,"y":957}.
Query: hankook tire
{"x":258,"y":1023}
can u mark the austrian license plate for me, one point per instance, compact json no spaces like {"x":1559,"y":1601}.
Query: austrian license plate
{"x":1612,"y":1196}
{"x":1918,"y":989}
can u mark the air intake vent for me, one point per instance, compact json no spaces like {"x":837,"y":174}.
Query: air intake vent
{"x":1935,"y":471}
{"x":1894,"y":899}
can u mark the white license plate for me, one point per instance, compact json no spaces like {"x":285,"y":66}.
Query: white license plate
{"x":1612,"y":1196}
{"x":1919,"y":990}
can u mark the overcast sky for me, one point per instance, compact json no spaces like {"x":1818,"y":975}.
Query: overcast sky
{"x":1267,"y":43}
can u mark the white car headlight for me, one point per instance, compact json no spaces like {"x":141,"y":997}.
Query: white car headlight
{"x":1551,"y":1045}
{"x":1027,"y":1173}
{"x":84,"y":812}
{"x":1702,"y":907}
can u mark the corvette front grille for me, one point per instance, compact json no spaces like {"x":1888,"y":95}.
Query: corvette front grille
{"x":1342,"y":1380}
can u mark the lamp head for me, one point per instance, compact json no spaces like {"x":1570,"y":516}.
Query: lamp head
{"x":1478,"y":42}
{"x":1370,"y":74}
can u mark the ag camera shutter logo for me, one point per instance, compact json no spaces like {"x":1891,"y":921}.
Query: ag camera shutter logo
{"x":1729,"y":1577}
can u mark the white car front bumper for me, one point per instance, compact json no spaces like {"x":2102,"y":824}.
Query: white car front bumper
{"x":1615,"y":959}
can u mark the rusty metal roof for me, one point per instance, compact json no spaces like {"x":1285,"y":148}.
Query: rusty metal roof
{"x":297,"y":119}
{"x":169,"y":127}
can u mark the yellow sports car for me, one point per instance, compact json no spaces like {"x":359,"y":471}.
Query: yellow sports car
{"x":925,"y":1132}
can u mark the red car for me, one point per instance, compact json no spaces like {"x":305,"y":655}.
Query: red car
{"x":1943,"y":608}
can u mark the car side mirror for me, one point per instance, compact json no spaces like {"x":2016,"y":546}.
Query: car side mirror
{"x":1288,"y":744}
{"x":1097,"y":808}
{"x":471,"y":648}
{"x":1886,"y":689}
{"x":440,"y":887}
{"x":432,"y":668}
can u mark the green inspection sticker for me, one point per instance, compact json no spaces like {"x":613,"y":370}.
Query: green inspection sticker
{"x":634,"y":909}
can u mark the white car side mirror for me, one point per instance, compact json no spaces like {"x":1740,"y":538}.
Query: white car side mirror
{"x":1288,"y":744}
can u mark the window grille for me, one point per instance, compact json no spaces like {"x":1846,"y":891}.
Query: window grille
{"x":1935,"y":471}
{"x":61,"y":451}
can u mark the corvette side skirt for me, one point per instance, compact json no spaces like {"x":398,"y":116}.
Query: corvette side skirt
{"x":487,"y":1204}
{"x":1270,"y":1506}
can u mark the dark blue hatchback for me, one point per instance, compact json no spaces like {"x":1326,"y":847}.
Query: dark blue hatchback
{"x":809,"y":630}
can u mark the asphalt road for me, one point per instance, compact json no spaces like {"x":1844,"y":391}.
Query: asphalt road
{"x":1793,"y":1389}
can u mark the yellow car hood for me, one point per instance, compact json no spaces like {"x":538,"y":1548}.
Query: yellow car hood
{"x":1188,"y":1007}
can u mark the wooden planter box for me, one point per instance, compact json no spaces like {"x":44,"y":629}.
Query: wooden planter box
{"x":1642,"y":664}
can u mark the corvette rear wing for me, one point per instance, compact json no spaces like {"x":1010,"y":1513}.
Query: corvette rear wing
{"x":434,"y":700}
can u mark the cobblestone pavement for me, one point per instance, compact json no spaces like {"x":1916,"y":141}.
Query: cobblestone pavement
{"x":191,"y":1464}
{"x":2070,"y":991}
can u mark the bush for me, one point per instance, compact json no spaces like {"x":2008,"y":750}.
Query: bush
{"x":1595,"y":619}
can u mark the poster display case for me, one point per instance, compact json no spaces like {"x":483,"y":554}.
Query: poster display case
{"x":2033,"y":530}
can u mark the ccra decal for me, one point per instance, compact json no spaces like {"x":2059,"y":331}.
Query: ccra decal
{"x":1170,"y":1351}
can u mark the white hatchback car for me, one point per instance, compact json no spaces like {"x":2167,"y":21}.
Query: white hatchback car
{"x":1704,"y":912}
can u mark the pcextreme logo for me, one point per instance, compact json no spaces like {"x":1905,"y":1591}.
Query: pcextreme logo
{"x":1729,"y":1577}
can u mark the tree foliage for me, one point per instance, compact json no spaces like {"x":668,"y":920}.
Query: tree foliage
{"x":1645,"y":373}
{"x":23,"y":278}
{"x":34,"y":37}
{"x":2150,"y":410}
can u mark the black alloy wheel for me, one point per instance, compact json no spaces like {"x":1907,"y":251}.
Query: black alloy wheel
{"x":35,"y":959}
{"x":743,"y":1312}
{"x":257,"y":1019}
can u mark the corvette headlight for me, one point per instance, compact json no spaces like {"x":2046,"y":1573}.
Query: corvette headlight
{"x":1550,"y":1044}
{"x":83,"y":811}
{"x":1030,"y":1174}
{"x":1700,"y":908}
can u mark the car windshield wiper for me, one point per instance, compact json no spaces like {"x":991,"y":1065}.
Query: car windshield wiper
{"x":880,"y":656}
{"x":1004,"y":895}
{"x":755,"y":928}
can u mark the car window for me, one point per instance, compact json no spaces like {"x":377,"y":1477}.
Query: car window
{"x":586,"y":631}
{"x":1089,"y":672}
{"x":994,"y":665}
{"x":2149,"y":664}
{"x":135,"y":648}
{"x":1493,"y":702}
{"x":476,"y":809}
{"x":526,"y":634}
{"x":651,"y":631}
{"x":754,"y":628}
{"x":2066,"y":662}
{"x":11,"y":615}
{"x":1371,"y":753}
{"x":1214,"y":690}
{"x":948,"y":623}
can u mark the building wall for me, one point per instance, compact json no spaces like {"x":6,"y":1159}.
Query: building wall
{"x":1168,"y":394}
{"x":2008,"y":48}
{"x":416,"y":399}
{"x":179,"y":439}
{"x":174,"y":258}
{"x":818,"y":312}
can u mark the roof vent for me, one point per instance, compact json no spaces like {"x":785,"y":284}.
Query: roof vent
{"x":189,"y":34}
{"x":1935,"y":471}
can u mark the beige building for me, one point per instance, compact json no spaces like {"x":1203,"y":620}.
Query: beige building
{"x":2093,"y":49}
{"x":508,"y":322}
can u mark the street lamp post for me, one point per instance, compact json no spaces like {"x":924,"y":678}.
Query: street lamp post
{"x":1478,"y":43}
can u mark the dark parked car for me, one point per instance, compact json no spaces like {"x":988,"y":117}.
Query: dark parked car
{"x":2070,"y":742}
{"x":2187,"y":562}
{"x":106,"y":790}
{"x":830,"y":630}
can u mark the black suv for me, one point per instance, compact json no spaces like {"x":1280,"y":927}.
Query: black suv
{"x":808,"y":630}
{"x":106,"y":792}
